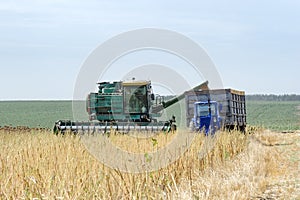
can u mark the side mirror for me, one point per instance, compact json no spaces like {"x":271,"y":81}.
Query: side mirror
{"x":152,"y":97}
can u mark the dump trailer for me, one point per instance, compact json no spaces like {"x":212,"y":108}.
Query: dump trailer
{"x":124,"y":106}
{"x":211,"y":110}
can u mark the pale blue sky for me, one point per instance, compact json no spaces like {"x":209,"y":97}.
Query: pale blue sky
{"x":254,"y":44}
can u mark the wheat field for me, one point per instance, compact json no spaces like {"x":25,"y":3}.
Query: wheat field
{"x":36,"y":164}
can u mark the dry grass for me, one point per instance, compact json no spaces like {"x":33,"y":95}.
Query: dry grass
{"x":141,"y":142}
{"x":41,"y":165}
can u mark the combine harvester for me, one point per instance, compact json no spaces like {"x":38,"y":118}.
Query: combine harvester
{"x":124,"y":106}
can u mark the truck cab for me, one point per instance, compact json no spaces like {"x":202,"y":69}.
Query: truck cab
{"x":206,"y":117}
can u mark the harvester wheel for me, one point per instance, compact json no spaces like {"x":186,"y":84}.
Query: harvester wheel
{"x":173,"y":128}
{"x":56,"y":130}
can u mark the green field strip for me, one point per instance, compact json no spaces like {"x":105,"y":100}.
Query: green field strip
{"x":274,"y":115}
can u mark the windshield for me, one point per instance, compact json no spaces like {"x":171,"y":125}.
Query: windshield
{"x":135,"y":99}
{"x":203,"y":109}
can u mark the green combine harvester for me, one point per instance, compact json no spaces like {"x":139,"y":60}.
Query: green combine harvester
{"x":124,"y":106}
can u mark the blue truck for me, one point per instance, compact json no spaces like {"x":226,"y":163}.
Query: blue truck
{"x":212,"y":110}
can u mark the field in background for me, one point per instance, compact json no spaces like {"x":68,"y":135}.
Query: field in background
{"x":274,"y":115}
{"x":34,"y":113}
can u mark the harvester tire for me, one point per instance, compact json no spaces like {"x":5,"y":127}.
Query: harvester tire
{"x":173,"y":128}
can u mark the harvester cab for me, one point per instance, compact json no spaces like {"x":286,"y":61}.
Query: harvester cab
{"x":121,"y":101}
{"x":138,"y":99}
{"x":206,"y":117}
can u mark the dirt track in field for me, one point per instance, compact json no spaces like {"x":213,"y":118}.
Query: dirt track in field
{"x":283,"y":181}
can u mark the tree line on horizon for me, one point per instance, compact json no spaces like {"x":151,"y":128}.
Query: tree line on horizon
{"x":273,"y":97}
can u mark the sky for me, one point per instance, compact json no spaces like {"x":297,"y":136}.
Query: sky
{"x":43,"y":44}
